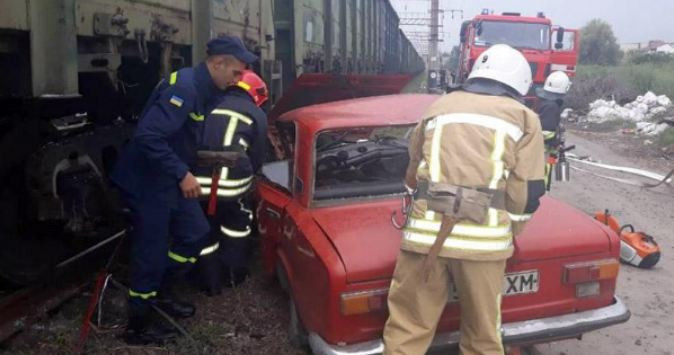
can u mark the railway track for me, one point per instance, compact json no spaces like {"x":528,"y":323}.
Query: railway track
{"x":22,"y":307}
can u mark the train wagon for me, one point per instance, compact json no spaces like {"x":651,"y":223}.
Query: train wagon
{"x":76,"y":74}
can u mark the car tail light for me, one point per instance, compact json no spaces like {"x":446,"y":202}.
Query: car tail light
{"x":363,"y":301}
{"x":591,"y":271}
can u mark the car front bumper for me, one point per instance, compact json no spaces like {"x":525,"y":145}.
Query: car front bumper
{"x":515,"y":333}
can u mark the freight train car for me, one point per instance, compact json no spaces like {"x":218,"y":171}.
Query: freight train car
{"x":75,"y":74}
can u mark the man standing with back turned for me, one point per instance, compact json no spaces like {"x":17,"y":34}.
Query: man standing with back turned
{"x":476,"y":164}
{"x":154,"y":177}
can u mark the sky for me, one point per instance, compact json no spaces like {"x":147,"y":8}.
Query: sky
{"x":632,"y":20}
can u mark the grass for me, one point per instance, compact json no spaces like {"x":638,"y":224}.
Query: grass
{"x":625,"y":81}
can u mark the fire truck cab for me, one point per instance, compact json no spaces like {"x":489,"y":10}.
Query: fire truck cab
{"x":547,"y":47}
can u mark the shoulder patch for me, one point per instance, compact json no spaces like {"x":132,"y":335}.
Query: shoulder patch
{"x":177,"y":101}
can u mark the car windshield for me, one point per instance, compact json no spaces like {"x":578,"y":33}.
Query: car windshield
{"x":361,"y":162}
{"x":516,"y":34}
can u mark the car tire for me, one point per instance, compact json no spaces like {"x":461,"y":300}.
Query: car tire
{"x":297,"y":334}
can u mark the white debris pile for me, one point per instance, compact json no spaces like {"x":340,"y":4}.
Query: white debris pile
{"x":643,"y":108}
{"x":651,"y":128}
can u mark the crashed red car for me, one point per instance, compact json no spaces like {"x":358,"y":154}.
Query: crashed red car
{"x":324,"y":214}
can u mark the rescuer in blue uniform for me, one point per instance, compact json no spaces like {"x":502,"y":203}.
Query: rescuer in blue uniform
{"x":155,"y":179}
{"x":237,"y":124}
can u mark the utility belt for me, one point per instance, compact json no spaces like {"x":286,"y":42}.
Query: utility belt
{"x":459,"y":202}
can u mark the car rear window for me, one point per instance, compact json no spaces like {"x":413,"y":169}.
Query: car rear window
{"x":361,"y":162}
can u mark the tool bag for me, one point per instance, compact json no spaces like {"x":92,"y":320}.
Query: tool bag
{"x":461,"y":203}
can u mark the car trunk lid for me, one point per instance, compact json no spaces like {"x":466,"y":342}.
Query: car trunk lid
{"x":368,"y":244}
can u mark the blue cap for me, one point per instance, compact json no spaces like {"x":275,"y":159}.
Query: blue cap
{"x":232,"y":46}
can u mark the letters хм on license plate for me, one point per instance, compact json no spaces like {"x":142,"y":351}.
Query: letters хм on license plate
{"x":514,"y":283}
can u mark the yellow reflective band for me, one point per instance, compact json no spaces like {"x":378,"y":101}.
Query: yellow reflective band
{"x":229,"y":134}
{"x":429,"y":215}
{"x":549,"y":134}
{"x":461,"y":229}
{"x":459,"y":243}
{"x":243,"y":85}
{"x":206,"y":181}
{"x":238,"y":116}
{"x":435,"y":154}
{"x":235,"y":234}
{"x":226,"y":192}
{"x":181,"y":259}
{"x":173,"y":78}
{"x":495,"y":123}
{"x":196,"y":117}
{"x":497,"y":159}
{"x":519,"y":217}
{"x":493,"y":217}
{"x":243,"y":143}
{"x":144,"y":296}
{"x":234,"y":182}
{"x":210,"y":249}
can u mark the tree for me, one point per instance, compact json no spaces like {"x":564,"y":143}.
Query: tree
{"x":598,"y":44}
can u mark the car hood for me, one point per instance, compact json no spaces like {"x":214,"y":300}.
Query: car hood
{"x":368,"y":244}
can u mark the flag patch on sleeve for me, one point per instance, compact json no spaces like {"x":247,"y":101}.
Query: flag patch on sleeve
{"x":175,"y":100}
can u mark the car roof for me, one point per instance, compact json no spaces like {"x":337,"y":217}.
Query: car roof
{"x":369,"y":111}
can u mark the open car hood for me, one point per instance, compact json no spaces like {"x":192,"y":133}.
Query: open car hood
{"x":368,"y":244}
{"x":310,"y":89}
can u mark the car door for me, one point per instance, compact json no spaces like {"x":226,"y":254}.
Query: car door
{"x":274,"y":195}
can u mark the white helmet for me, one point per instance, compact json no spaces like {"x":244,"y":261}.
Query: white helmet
{"x":504,"y":64}
{"x":557,"y":83}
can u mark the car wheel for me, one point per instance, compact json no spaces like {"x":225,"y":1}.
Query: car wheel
{"x":297,"y":334}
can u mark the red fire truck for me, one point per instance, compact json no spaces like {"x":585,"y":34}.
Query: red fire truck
{"x":547,"y":47}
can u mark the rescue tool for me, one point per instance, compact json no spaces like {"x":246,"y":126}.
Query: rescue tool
{"x":216,"y":160}
{"x":636,"y":248}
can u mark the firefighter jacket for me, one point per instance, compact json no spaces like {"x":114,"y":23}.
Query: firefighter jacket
{"x":550,"y":112}
{"x":166,"y":139}
{"x":478,"y":141}
{"x":237,"y":124}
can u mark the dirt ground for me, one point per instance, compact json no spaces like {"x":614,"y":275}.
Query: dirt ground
{"x":647,"y":293}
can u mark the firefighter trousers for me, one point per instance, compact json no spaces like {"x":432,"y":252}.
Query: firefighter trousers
{"x":165,"y":241}
{"x":226,"y":256}
{"x":415,"y":306}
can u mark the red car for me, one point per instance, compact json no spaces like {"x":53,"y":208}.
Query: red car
{"x":324,"y":215}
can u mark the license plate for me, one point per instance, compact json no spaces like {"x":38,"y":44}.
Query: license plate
{"x":514,"y":283}
{"x":518,"y":283}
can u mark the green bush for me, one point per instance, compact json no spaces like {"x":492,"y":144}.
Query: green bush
{"x":655,"y":58}
{"x":622,"y":83}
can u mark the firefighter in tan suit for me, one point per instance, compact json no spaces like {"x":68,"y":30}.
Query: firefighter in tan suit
{"x":478,"y":141}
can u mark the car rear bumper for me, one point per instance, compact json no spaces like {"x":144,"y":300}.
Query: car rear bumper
{"x":515,"y":333}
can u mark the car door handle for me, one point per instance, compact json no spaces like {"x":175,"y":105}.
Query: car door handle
{"x":272,"y":213}
{"x":288,"y":231}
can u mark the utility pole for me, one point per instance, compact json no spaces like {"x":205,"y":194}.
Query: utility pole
{"x":433,"y":59}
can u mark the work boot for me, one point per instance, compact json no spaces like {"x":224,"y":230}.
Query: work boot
{"x":167,"y":302}
{"x":208,"y":273}
{"x":143,"y":329}
{"x":235,"y":276}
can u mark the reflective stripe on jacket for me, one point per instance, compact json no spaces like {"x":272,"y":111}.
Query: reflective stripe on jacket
{"x":473,"y":140}
{"x":236,"y":124}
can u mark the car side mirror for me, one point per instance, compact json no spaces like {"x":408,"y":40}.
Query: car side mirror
{"x":559,"y":43}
